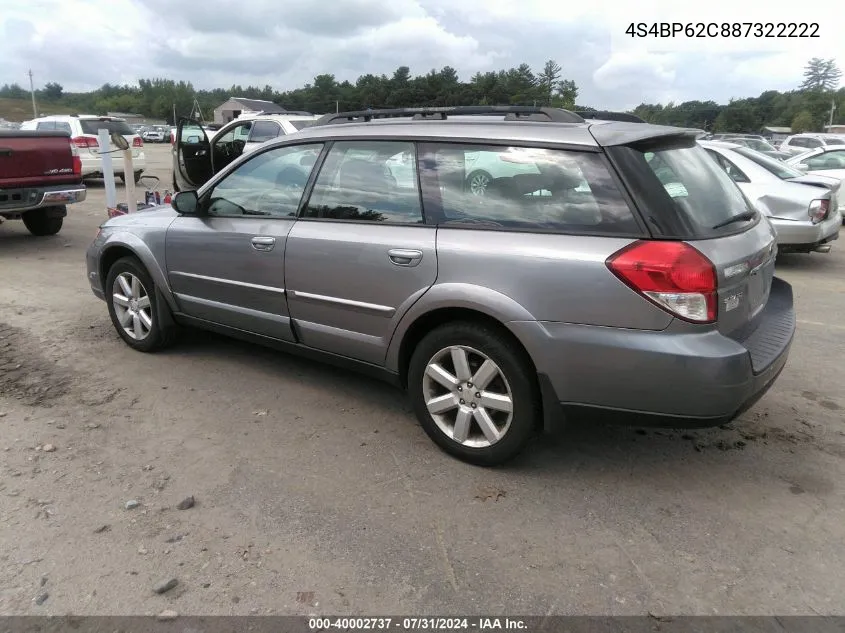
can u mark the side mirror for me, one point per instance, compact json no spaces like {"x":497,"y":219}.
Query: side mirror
{"x":802,"y":167}
{"x":186,"y":202}
{"x":119,"y":142}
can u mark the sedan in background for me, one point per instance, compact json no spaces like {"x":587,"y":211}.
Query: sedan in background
{"x":758,"y":144}
{"x":803,"y":208}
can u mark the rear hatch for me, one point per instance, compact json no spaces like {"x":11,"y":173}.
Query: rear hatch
{"x":90,"y":131}
{"x":686,"y":197}
{"x":29,"y":158}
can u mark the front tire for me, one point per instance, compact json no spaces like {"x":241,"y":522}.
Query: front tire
{"x":473,"y":390}
{"x":134,"y":307}
{"x":40,"y":222}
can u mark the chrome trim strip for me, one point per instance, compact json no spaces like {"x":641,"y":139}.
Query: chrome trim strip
{"x":231,"y":282}
{"x":370,"y":307}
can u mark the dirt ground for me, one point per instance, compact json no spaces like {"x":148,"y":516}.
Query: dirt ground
{"x":317,"y":492}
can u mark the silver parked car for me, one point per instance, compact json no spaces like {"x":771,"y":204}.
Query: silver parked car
{"x":803,"y":208}
{"x":624,"y":277}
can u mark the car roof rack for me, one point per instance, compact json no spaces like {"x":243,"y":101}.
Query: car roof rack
{"x":512,"y":113}
{"x":606,"y":115}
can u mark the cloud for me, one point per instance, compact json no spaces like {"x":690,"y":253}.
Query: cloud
{"x":214,"y":43}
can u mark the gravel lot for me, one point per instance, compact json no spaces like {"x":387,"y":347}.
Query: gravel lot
{"x":317,"y":492}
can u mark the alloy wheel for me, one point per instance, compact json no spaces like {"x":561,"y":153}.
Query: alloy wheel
{"x":478,"y":184}
{"x":132,"y":306}
{"x":468,"y":396}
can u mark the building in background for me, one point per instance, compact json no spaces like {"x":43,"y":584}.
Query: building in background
{"x":236,"y":106}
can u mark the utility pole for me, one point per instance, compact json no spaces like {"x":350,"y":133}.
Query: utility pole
{"x":832,"y":109}
{"x":32,"y":92}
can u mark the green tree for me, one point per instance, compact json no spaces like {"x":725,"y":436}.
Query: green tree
{"x":803,"y":122}
{"x":565,"y":94}
{"x":548,"y":81}
{"x":52,"y":91}
{"x":821,"y":74}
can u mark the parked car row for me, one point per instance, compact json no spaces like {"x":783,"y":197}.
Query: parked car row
{"x":604,"y":269}
{"x":83,"y":130}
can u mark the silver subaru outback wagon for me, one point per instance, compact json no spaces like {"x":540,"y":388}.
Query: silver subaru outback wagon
{"x":508,"y":266}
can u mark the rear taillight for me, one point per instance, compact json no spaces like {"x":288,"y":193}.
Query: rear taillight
{"x":76,"y":160}
{"x":673,"y":275}
{"x":819,"y":210}
{"x":137,"y":142}
{"x":85,"y":142}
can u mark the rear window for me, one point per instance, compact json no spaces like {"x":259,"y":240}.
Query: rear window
{"x":681,"y":190}
{"x":301,"y":125}
{"x":778,"y":168}
{"x":93,"y":126}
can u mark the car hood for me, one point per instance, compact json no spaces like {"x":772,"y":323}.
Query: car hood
{"x":154,"y":216}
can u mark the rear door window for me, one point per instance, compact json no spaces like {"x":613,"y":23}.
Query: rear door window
{"x":373,"y":181}
{"x":46,"y":126}
{"x":524,"y":188}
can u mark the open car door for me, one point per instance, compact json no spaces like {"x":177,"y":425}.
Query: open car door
{"x":193,"y":165}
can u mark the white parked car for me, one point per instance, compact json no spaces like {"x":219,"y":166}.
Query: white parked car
{"x":800,"y":143}
{"x":83,"y":130}
{"x":803,"y":208}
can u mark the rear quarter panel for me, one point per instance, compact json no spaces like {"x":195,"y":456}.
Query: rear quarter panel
{"x":552,"y":277}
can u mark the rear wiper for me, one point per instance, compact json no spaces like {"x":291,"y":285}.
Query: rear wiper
{"x":739,"y":217}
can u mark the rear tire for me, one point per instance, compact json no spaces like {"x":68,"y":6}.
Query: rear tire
{"x":141,"y":321}
{"x":39,"y":223}
{"x":467,"y":419}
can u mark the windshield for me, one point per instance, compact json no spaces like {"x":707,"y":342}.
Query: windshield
{"x":683,"y":192}
{"x":92,"y":126}
{"x":778,"y":168}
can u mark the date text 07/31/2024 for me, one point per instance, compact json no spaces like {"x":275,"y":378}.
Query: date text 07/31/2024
{"x":767,"y":30}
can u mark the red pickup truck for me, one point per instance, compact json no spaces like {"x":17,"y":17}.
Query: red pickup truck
{"x":40,"y":173}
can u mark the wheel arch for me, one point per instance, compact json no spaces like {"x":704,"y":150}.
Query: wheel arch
{"x":128,"y":245}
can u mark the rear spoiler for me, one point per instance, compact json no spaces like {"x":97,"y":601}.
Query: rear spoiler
{"x":605,"y":115}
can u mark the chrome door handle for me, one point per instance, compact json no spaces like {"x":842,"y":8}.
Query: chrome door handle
{"x":263,"y":243}
{"x":404,"y":256}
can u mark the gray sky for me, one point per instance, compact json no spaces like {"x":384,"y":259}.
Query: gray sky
{"x":285,"y":43}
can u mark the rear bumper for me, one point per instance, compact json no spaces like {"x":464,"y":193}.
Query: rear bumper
{"x":13,"y":202}
{"x":92,"y":166}
{"x":805,"y":235}
{"x":659,"y":378}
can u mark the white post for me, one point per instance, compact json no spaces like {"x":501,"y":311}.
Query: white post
{"x":129,"y":175}
{"x":108,"y":169}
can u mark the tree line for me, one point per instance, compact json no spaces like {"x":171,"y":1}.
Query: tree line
{"x":157,"y":98}
{"x":807,"y":108}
